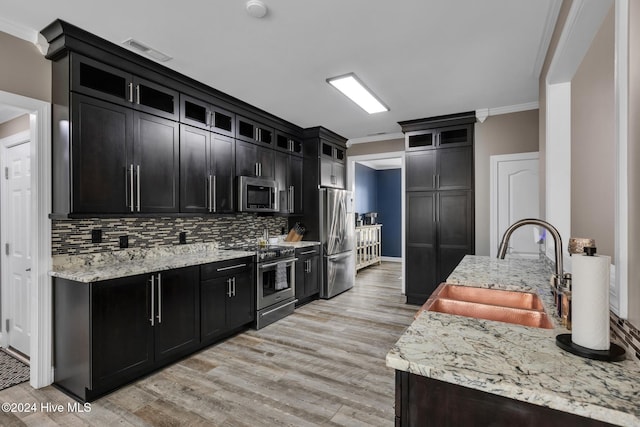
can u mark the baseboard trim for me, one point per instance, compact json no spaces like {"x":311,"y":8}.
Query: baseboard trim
{"x":391,"y":259}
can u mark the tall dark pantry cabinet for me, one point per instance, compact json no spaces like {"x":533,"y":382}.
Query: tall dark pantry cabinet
{"x":439,"y":200}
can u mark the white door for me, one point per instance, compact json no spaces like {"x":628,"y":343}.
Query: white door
{"x":16,"y":245}
{"x":514,"y":196}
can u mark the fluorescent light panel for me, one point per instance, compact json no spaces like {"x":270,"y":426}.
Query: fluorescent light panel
{"x":149,"y":51}
{"x":353,"y":88}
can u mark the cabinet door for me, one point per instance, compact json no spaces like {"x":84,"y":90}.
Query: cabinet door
{"x":246,"y":159}
{"x":251,"y":131}
{"x":281,"y":173}
{"x":194,"y":151}
{"x":222,"y":121}
{"x":312,"y":276}
{"x":100,"y":80}
{"x":421,"y":268}
{"x":241,"y":308}
{"x":267,"y":161}
{"x":455,"y":168}
{"x":157,"y":163}
{"x":296,"y":181}
{"x":155,"y":99}
{"x":455,"y":136}
{"x":121,"y":332}
{"x":102,"y":136}
{"x":177,"y":314}
{"x":338,"y":174}
{"x":213,"y":308}
{"x":300,"y":289}
{"x":420,"y":140}
{"x":194,"y":112}
{"x":421,"y":170}
{"x":326,"y":172}
{"x":455,"y":229}
{"x":223,"y":173}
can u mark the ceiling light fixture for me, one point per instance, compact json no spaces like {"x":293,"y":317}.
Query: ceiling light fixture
{"x":355,"y":90}
{"x":256,"y":8}
{"x":150,"y":52}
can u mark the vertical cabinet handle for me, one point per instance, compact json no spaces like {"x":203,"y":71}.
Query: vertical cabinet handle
{"x":433,"y":181}
{"x":215,"y":195}
{"x":130,"y":91}
{"x":138,"y":94}
{"x":234,"y":286}
{"x":153,"y":305}
{"x":256,"y":137}
{"x":138,"y":190}
{"x":229,"y":287}
{"x":159,"y":298}
{"x":210,"y":192}
{"x":131,"y":186}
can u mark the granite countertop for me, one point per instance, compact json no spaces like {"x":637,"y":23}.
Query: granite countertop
{"x":129,"y":262}
{"x":514,"y":361}
{"x":300,"y":244}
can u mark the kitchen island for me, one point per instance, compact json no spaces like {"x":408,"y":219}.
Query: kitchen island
{"x":485,"y":364}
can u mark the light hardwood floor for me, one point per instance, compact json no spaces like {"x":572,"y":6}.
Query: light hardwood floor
{"x":323,"y":365}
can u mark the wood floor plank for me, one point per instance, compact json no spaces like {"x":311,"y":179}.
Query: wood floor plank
{"x":323,"y":365}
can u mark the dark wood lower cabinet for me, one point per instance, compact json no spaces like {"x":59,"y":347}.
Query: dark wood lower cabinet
{"x":422,"y":401}
{"x":111,"y":332}
{"x":307,"y":274}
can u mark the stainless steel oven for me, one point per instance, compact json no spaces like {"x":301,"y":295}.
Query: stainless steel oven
{"x":276,"y":290}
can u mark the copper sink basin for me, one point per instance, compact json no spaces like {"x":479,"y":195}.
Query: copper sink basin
{"x":520,"y":308}
{"x":518,"y":316}
{"x":499,"y":297}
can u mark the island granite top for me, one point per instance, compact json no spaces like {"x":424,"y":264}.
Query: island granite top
{"x":514,"y":361}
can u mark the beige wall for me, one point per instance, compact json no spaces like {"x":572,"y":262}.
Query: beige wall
{"x":14,"y":126}
{"x":502,"y":134}
{"x":633,"y":163}
{"x":24,"y":70}
{"x":542,"y":100}
{"x":377,"y":147}
{"x":593,"y":146}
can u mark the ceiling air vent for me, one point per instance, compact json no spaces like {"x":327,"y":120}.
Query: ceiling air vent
{"x":146,"y":50}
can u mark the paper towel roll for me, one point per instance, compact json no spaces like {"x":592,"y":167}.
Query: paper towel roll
{"x":590,"y":301}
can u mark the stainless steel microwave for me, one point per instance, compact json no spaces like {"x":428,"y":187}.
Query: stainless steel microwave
{"x":257,"y":194}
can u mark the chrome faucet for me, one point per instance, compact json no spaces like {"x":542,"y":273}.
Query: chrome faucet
{"x":561,"y":281}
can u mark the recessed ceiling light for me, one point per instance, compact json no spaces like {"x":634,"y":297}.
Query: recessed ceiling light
{"x":256,"y":8}
{"x":146,"y":50}
{"x":355,"y":90}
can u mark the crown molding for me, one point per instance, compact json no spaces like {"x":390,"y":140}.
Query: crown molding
{"x":374,"y":138}
{"x":547,"y":34}
{"x":483,"y":113}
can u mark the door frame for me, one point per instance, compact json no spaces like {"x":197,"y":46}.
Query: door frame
{"x":351,"y":182}
{"x":494,"y":189}
{"x":6,"y":143}
{"x":41,"y":343}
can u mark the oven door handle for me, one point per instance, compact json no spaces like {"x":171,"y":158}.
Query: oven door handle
{"x":273,"y":264}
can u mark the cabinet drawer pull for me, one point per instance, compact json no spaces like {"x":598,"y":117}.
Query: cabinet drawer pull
{"x":266,"y":313}
{"x":231,"y":267}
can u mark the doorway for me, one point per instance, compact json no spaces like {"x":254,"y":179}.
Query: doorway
{"x":38,"y":198}
{"x":383,"y":166}
{"x":15,"y":232}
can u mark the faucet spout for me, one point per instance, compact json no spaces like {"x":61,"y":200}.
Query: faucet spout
{"x":557,"y":240}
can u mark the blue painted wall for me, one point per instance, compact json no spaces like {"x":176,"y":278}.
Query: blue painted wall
{"x":390,"y":211}
{"x":380,"y":191}
{"x":366,"y":189}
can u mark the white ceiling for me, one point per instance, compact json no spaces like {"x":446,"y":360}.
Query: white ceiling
{"x":421,"y":57}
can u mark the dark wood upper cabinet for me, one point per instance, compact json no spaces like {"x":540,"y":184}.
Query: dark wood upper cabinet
{"x":112,"y":84}
{"x":207,"y":171}
{"x":252,"y":131}
{"x":443,"y":169}
{"x":254,"y":160}
{"x":288,"y":175}
{"x":204,"y":115}
{"x":443,"y":137}
{"x":288,"y":143}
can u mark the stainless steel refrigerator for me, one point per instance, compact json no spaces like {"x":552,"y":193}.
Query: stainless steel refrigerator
{"x":337,"y":230}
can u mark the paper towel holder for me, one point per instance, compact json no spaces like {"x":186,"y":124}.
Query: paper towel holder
{"x":614,"y":354}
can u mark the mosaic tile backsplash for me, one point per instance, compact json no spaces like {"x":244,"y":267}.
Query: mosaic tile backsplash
{"x":625,"y":334}
{"x":73,"y":237}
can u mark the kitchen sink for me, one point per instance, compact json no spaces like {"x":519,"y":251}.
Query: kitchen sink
{"x":520,"y":308}
{"x":499,"y":297}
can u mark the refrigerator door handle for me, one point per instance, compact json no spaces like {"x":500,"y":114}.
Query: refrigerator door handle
{"x":340,"y":255}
